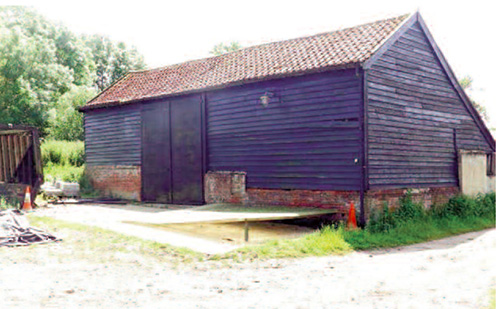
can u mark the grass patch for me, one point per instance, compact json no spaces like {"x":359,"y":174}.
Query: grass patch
{"x":411,"y":223}
{"x":415,"y":232}
{"x":327,"y":241}
{"x":492,"y":299}
{"x":8,"y":204}
{"x":104,"y":246}
{"x":65,"y":161}
{"x":408,"y":224}
{"x":66,"y":173}
{"x":63,"y":153}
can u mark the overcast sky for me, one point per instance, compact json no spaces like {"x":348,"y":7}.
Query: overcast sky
{"x":171,"y":32}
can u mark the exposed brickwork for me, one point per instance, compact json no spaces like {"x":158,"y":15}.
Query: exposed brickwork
{"x":225,"y":187}
{"x":116,"y":181}
{"x":301,"y":198}
{"x":230,"y":187}
{"x":428,"y":196}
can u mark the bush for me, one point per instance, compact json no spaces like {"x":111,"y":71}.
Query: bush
{"x":63,"y":153}
{"x":460,"y":206}
{"x":65,"y":161}
{"x":409,"y":210}
{"x":8,"y":204}
{"x":381,"y":221}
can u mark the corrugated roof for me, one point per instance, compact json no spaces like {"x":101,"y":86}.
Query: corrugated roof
{"x":319,"y":52}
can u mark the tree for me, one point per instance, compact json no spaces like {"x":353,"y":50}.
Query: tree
{"x":65,"y":121}
{"x":112,"y":60}
{"x":30,"y":77}
{"x":41,"y":61}
{"x":467,"y":84}
{"x":223,"y":48}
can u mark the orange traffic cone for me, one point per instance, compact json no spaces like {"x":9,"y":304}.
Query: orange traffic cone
{"x":352,"y":219}
{"x":27,"y":200}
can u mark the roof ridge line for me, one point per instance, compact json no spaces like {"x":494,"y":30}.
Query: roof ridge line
{"x":279,"y":42}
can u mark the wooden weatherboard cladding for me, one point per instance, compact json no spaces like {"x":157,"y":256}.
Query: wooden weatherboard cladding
{"x":113,"y":136}
{"x":307,"y":137}
{"x":416,"y":118}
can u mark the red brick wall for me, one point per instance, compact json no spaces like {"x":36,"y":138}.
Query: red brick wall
{"x":301,"y":198}
{"x":428,"y":196}
{"x":230,"y":187}
{"x":225,"y":187}
{"x":116,"y":181}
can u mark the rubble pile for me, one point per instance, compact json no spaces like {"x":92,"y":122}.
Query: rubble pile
{"x":16,"y":231}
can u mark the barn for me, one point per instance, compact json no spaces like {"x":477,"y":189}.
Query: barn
{"x":360,"y":114}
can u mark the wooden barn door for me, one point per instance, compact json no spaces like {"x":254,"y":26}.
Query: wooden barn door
{"x":156,"y":159}
{"x":187,"y":159}
{"x":172,"y":152}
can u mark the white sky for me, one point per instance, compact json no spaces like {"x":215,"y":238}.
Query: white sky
{"x":168,"y":32}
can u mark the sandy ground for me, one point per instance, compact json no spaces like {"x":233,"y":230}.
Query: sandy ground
{"x":456,"y":272}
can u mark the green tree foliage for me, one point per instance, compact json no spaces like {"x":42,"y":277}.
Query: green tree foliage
{"x":467,"y":84}
{"x":65,"y":122}
{"x":223,"y":48}
{"x":41,"y":61}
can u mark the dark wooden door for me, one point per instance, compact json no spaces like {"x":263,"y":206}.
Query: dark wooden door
{"x":187,"y":169}
{"x":172,"y":152}
{"x":156,"y":158}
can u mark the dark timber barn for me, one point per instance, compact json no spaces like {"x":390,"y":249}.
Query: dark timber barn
{"x":360,"y":114}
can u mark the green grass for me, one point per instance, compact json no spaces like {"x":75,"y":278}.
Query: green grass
{"x":386,"y":229}
{"x":63,"y":153}
{"x":8,"y":204}
{"x":416,"y":232}
{"x":492,"y":299}
{"x":326,"y":241}
{"x":65,"y":161}
{"x":66,"y":173}
{"x":408,"y":224}
{"x":99,"y":245}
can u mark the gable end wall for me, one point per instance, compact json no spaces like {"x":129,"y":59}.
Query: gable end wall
{"x":415,"y":118}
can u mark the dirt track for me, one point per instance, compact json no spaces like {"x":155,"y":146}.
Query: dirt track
{"x":456,"y":272}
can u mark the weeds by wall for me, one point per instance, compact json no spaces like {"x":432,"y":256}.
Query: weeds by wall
{"x":65,"y":161}
{"x":460,"y":207}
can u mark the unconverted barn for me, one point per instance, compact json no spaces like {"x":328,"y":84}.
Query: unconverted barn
{"x":361,"y":114}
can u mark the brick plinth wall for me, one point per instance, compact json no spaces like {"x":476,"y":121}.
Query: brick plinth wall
{"x":230,"y":187}
{"x":301,"y":198}
{"x":116,"y":181}
{"x":225,"y":187}
{"x":427,"y":196}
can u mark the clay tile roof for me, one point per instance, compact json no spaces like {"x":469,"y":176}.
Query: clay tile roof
{"x":341,"y":48}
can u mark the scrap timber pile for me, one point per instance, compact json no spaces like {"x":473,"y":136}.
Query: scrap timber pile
{"x":15,"y":231}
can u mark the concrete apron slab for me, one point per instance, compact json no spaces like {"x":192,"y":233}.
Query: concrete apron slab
{"x":118,"y":218}
{"x":222,"y":213}
{"x":112,"y":219}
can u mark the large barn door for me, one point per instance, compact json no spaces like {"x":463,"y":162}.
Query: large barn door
{"x":172,"y":157}
{"x":187,"y":159}
{"x":156,"y":159}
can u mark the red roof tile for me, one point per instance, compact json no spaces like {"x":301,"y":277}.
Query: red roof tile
{"x":340,"y":48}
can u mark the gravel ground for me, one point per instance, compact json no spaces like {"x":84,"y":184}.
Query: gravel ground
{"x":456,"y":272}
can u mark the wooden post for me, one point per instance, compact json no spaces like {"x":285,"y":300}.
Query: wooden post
{"x":246,"y":230}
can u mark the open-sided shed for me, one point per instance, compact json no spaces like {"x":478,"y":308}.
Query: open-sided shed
{"x":360,"y":114}
{"x":20,"y":161}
